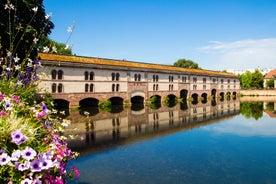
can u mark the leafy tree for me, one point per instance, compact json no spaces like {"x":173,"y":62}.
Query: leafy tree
{"x":56,"y":47}
{"x":245,"y":80}
{"x":22,"y":23}
{"x":253,"y":80}
{"x":270,"y":83}
{"x":252,"y":109}
{"x":257,"y":80}
{"x":184,"y":63}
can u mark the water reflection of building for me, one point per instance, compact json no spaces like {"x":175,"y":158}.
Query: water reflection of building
{"x":269,"y":109}
{"x":98,"y":131}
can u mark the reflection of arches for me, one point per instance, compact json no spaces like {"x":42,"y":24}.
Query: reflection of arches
{"x":155,"y":101}
{"x":214,"y":93}
{"x":137,"y":103}
{"x":137,"y":99}
{"x":184,"y":94}
{"x":61,"y":104}
{"x":221,"y":96}
{"x":204,"y":98}
{"x":171,"y":100}
{"x":117,"y":101}
{"x":234,"y":95}
{"x":195,"y":98}
{"x":89,"y":102}
{"x":228,"y":96}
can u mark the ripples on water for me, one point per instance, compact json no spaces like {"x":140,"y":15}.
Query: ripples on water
{"x":225,"y":143}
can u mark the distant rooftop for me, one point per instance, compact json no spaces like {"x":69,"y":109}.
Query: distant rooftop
{"x":124,"y":63}
{"x":271,"y":74}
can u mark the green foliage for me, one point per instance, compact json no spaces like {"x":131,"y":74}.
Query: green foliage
{"x":184,"y":63}
{"x":170,"y":101}
{"x":105,"y":105}
{"x":270,"y":84}
{"x":249,"y":80}
{"x":20,"y":24}
{"x":252,"y":109}
{"x":61,"y":48}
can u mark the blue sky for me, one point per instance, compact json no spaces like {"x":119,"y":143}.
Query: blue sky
{"x":217,"y":34}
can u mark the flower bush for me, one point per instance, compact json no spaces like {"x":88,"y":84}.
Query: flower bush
{"x":32,"y":148}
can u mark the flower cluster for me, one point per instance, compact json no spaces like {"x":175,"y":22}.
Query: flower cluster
{"x":31,"y":148}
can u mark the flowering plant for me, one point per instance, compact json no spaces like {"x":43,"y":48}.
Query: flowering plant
{"x":32,"y":148}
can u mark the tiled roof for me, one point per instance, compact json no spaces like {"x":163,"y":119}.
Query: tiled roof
{"x":271,"y":74}
{"x":124,"y":63}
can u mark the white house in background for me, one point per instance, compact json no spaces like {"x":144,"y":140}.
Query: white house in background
{"x":270,"y":75}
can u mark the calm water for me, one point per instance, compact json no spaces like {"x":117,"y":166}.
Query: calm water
{"x":230,"y":142}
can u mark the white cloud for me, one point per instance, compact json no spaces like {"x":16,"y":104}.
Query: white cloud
{"x":245,"y":127}
{"x":243,"y":54}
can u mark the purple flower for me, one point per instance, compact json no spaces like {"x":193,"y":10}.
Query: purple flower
{"x":37,"y":181}
{"x":28,"y":153}
{"x":17,"y":137}
{"x":7,"y":106}
{"x":35,"y":166}
{"x":4,"y":159}
{"x":45,"y":163}
{"x":16,"y":155}
{"x":26,"y":181}
{"x":44,"y":108}
{"x":22,"y":166}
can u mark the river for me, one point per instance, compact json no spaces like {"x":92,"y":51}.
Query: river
{"x":222,"y":142}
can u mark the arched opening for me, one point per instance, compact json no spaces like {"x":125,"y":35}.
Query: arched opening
{"x":155,"y":102}
{"x":137,"y":103}
{"x":228,"y":96}
{"x":89,"y":105}
{"x":184,"y":94}
{"x":234,"y":95}
{"x":117,"y":101}
{"x":195,"y":98}
{"x":171,"y":100}
{"x":221,"y":96}
{"x":204,"y":98}
{"x":89,"y":102}
{"x":214,"y":93}
{"x":117,"y":104}
{"x":61,"y":104}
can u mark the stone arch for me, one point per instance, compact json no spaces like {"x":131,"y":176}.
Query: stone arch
{"x":204,"y":98}
{"x":214,"y":93}
{"x":116,"y":100}
{"x":155,"y":102}
{"x":184,"y":94}
{"x":195,"y":98}
{"x":89,"y":102}
{"x":61,"y":104}
{"x":171,"y":100}
{"x":228,"y":96}
{"x":221,"y":96}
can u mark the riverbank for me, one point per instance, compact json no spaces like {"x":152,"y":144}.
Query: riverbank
{"x":258,"y":95}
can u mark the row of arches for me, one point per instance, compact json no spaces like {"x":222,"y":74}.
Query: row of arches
{"x":156,"y":99}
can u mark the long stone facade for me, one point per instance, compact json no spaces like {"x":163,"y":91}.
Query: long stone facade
{"x":74,"y":79}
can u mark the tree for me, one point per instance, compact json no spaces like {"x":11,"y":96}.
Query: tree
{"x":22,"y":23}
{"x":56,"y":47}
{"x":184,"y":63}
{"x":253,"y":80}
{"x":257,"y":80}
{"x":270,"y":83}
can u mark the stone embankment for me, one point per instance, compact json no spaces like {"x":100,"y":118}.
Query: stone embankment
{"x":258,"y":95}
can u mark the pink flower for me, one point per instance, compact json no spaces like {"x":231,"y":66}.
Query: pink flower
{"x":3,"y":113}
